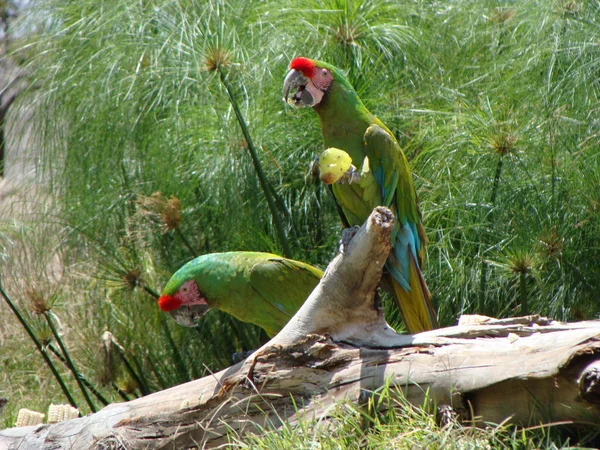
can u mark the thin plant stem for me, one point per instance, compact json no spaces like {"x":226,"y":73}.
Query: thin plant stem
{"x":257,"y":167}
{"x":281,"y":205}
{"x":496,"y":184}
{"x":121,"y":393}
{"x":154,"y":367}
{"x":523,"y":293}
{"x":40,"y":348}
{"x":84,"y":380}
{"x":70,"y":363}
{"x":178,"y":360}
{"x":482,"y":287}
{"x":186,"y":242}
{"x":554,"y":179}
{"x":484,"y":266}
{"x":149,"y":290}
{"x":142,"y":386}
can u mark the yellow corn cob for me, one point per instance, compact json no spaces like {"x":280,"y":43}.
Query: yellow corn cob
{"x":60,"y":413}
{"x":26,"y":417}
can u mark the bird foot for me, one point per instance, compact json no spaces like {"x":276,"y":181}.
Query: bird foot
{"x":249,"y":381}
{"x":240,"y":356}
{"x":347,"y":235}
{"x":351,"y":176}
{"x":246,"y":380}
{"x":313,"y":170}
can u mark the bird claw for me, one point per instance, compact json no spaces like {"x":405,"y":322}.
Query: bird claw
{"x":246,"y":381}
{"x":240,"y":356}
{"x":347,"y":235}
{"x":351,"y":176}
{"x":249,"y":378}
{"x":313,"y":170}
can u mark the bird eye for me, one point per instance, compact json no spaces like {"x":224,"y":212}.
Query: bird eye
{"x":324,"y":72}
{"x":184,"y":289}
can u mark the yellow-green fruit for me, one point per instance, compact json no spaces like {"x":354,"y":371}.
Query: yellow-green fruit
{"x":333,"y":164}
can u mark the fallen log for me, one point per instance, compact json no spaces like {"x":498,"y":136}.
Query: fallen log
{"x":528,"y":370}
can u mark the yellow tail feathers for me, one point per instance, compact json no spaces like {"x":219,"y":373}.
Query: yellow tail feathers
{"x":415,"y":306}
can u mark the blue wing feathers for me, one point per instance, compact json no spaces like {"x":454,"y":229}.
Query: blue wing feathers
{"x":406,"y":240}
{"x":387,"y":192}
{"x":416,"y":242}
{"x":380,"y":178}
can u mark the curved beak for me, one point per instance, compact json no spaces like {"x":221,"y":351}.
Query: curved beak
{"x":294,"y":89}
{"x":188,"y":315}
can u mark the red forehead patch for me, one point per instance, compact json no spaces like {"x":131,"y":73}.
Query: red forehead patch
{"x":304,"y":65}
{"x":168,"y":303}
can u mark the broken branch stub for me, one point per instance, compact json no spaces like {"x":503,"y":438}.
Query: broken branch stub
{"x":343,"y":303}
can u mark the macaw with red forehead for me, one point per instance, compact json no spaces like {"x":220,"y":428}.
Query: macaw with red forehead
{"x":384,"y":179}
{"x":259,"y":288}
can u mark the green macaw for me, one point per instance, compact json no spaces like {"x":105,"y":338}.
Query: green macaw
{"x":384,"y":179}
{"x":260,"y":288}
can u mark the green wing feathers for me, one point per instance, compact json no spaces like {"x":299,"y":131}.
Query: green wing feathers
{"x":391,"y":170}
{"x":281,"y":286}
{"x":392,"y":173}
{"x":284,"y":283}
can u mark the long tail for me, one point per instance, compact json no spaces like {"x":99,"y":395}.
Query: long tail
{"x":415,"y":305}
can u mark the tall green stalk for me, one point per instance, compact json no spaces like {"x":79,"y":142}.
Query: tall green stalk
{"x":121,"y":393}
{"x":139,"y":381}
{"x":257,"y":166}
{"x":149,"y":290}
{"x":484,"y":266}
{"x":177,"y":358}
{"x":186,"y":242}
{"x":84,"y":380}
{"x":69,"y":361}
{"x":523,"y":293}
{"x":40,"y":348}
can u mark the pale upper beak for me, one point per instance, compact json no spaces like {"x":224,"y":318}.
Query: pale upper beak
{"x":294,"y":89}
{"x":188,"y":315}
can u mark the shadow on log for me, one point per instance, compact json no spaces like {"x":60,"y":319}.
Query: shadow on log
{"x":338,"y":346}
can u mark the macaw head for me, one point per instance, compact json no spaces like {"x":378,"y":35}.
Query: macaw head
{"x":183,"y":299}
{"x":308,"y":82}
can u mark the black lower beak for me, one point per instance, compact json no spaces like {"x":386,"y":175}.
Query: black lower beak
{"x":294,"y":89}
{"x":302,"y":97}
{"x":188,"y":316}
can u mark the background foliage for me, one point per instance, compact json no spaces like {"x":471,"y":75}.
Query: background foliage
{"x":494,"y":102}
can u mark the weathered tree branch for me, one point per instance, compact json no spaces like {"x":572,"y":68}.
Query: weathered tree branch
{"x":338,"y":347}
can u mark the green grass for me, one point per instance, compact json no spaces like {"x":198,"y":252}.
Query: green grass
{"x":495,"y":104}
{"x":387,"y":421}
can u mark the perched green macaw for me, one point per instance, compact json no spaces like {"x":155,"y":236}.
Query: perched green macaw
{"x":384,"y":179}
{"x":260,"y":288}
